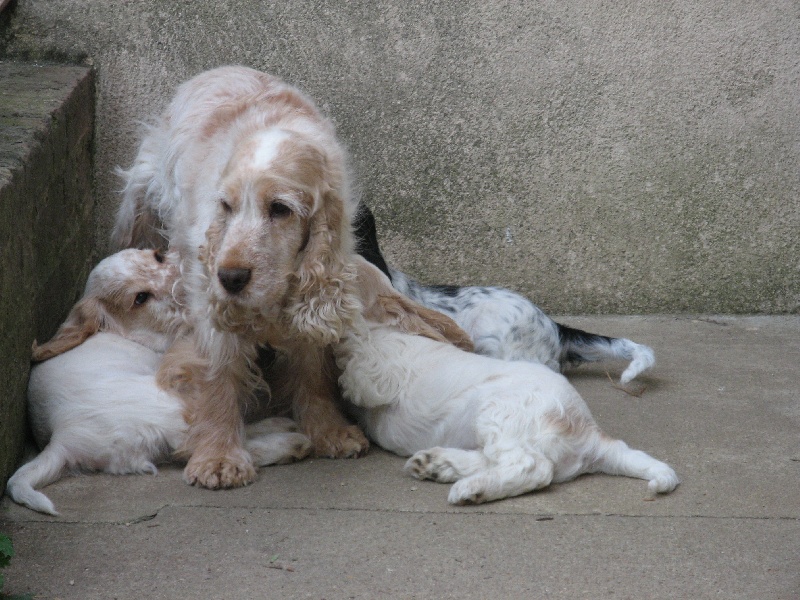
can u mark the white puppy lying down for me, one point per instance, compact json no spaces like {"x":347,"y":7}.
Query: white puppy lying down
{"x":496,"y":428}
{"x":94,"y":403}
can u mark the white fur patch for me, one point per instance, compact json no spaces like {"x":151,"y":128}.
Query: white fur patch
{"x":267,"y":144}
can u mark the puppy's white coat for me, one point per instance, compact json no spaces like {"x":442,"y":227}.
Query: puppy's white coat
{"x":496,"y":428}
{"x":94,"y":404}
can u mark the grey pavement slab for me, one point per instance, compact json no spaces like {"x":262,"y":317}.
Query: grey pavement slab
{"x":721,"y":407}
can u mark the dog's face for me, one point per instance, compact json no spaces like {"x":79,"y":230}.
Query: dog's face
{"x":275,"y":246}
{"x":134,"y":293}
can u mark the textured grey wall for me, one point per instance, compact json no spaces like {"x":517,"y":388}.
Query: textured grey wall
{"x":624,"y":157}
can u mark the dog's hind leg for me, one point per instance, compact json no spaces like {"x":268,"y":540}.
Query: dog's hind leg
{"x":46,"y":468}
{"x":515,"y":472}
{"x":616,"y":458}
{"x":446,"y":464}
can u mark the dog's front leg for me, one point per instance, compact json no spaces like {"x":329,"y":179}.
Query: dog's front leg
{"x":218,"y":458}
{"x":310,"y":382}
{"x":213,"y":397}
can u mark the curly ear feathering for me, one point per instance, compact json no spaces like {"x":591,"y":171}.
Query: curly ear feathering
{"x":325,"y":301}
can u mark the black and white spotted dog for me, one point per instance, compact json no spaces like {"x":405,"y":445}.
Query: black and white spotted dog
{"x":504,"y":324}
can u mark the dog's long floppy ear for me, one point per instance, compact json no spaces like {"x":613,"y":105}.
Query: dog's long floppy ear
{"x":86,"y":318}
{"x":417,"y":319}
{"x":383,"y":304}
{"x":325,"y":299}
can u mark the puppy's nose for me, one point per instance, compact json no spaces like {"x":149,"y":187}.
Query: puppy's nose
{"x":233,"y":280}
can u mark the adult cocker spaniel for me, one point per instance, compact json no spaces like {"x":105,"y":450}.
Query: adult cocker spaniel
{"x":245,"y":178}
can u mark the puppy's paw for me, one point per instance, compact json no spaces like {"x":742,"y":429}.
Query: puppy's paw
{"x":663,"y":480}
{"x":419,"y":465}
{"x":230,"y":471}
{"x":345,"y":441}
{"x":467,"y":491}
{"x":431,"y":464}
{"x":278,"y":448}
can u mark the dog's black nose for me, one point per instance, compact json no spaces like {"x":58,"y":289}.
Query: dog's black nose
{"x":233,"y":280}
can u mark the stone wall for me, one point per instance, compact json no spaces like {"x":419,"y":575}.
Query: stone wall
{"x":46,"y":220}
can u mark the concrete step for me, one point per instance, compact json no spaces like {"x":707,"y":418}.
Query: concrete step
{"x":46,"y":206}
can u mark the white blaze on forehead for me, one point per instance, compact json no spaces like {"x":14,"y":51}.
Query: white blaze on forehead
{"x":118,"y":266}
{"x":266,"y":147}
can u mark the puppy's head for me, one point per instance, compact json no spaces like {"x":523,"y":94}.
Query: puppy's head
{"x":133,"y":293}
{"x":277,"y":253}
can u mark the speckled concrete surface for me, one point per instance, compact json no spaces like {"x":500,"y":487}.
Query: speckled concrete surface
{"x":721,"y":407}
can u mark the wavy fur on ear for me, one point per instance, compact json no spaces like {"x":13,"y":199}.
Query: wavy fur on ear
{"x":383,"y":304}
{"x":85,"y":319}
{"x":326,"y":300}
{"x":414,"y":318}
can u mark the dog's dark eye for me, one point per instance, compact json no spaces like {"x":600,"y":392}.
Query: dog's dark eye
{"x":141,"y":298}
{"x":158,"y":256}
{"x":225,"y":206}
{"x":278,"y":210}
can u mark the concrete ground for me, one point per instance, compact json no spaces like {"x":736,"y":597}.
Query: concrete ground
{"x":721,"y":407}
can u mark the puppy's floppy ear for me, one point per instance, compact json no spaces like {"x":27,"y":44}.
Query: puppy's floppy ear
{"x":384,"y":304}
{"x":325,"y":300}
{"x":86,"y":318}
{"x":411,"y":317}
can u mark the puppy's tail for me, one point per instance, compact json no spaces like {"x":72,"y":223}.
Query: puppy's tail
{"x":46,"y":468}
{"x":579,"y":346}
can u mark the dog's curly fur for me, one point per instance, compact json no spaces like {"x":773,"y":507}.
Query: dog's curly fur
{"x":93,"y":400}
{"x":496,"y":428}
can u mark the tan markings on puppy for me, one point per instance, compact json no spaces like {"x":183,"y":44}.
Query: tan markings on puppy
{"x":570,"y":422}
{"x":383,"y":304}
{"x":134,"y":293}
{"x":84,"y":320}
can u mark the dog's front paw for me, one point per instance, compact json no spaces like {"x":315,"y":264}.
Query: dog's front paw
{"x":346,"y":441}
{"x":217,"y":473}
